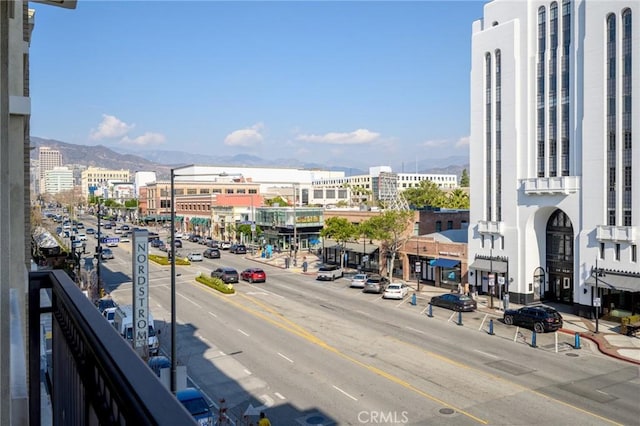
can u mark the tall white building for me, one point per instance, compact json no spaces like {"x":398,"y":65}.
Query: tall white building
{"x":97,"y":180}
{"x":58,"y":179}
{"x":48,"y":159}
{"x":555,"y":181}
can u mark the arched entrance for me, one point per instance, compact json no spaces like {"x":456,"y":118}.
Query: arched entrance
{"x":560,"y":241}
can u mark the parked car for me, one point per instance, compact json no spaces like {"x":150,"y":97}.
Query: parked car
{"x":105,"y":303}
{"x":195,"y":257}
{"x":238,"y":249}
{"x":158,"y":362}
{"x":195,"y":403}
{"x":205,"y":241}
{"x":375,"y":284}
{"x":225,"y":245}
{"x":156,"y":243}
{"x":539,"y":318}
{"x":254,"y":275}
{"x":194,"y":238}
{"x":106,"y":254}
{"x":178,"y":243}
{"x":90,"y":231}
{"x":329,"y":272}
{"x":226,"y":274}
{"x":395,"y":291}
{"x":163,"y":247}
{"x":213,"y":244}
{"x":212,"y":253}
{"x":358,"y":280}
{"x":110,"y":314}
{"x":455,"y":301}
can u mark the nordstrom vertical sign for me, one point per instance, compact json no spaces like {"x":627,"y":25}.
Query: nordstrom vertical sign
{"x":140,"y":255}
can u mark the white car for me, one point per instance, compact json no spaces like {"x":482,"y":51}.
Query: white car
{"x":195,"y":257}
{"x":81,"y":237}
{"x":395,"y":291}
{"x":358,"y":280}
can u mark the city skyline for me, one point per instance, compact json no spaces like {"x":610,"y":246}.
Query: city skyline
{"x":365,"y":82}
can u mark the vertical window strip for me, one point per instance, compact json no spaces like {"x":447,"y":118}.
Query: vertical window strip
{"x":498,"y":126}
{"x":542,"y":34}
{"x":627,"y":153}
{"x":552,"y":96}
{"x":564,"y":87}
{"x":611,"y":119}
{"x":488,"y":117}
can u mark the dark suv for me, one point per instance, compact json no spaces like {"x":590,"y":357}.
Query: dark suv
{"x":238,"y":249}
{"x":538,"y":318}
{"x":227,"y":275}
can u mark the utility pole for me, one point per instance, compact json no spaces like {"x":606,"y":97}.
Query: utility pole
{"x":99,"y":248}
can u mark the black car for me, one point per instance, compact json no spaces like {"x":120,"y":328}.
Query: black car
{"x":455,"y":301}
{"x":194,"y":238}
{"x":211,"y":253}
{"x":238,"y":249}
{"x":226,"y":274}
{"x":105,"y":303}
{"x":539,"y":318}
{"x":156,"y":243}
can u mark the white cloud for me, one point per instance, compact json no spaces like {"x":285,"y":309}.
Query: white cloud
{"x":111,"y":127}
{"x":357,"y":137}
{"x":463,"y":141}
{"x":435,"y":143}
{"x":245,"y":137}
{"x":147,"y":139}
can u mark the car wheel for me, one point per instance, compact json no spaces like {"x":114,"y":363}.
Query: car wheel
{"x":250,"y":280}
{"x":508,"y":320}
{"x":538,"y":327}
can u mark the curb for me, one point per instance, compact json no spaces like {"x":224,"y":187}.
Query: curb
{"x":600,"y":345}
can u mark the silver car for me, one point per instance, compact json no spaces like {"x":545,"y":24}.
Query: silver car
{"x":359,"y":280}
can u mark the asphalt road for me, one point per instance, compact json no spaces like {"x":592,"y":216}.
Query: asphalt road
{"x":309,"y":352}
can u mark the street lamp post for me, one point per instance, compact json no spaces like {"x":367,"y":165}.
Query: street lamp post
{"x":295,"y":228}
{"x":597,"y":272}
{"x":418,"y":267}
{"x":492,"y":284}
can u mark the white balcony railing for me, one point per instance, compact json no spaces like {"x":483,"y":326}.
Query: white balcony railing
{"x":490,"y":227}
{"x":616,"y":233}
{"x":561,"y":185}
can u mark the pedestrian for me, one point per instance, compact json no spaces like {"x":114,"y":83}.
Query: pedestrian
{"x":459,"y":288}
{"x":264,"y":421}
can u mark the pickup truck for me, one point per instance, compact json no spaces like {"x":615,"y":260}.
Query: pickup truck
{"x":329,"y":272}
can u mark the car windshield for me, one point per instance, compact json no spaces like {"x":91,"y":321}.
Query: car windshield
{"x":464,"y":298}
{"x":360,"y":277}
{"x":393,"y":287}
{"x":196,"y":406}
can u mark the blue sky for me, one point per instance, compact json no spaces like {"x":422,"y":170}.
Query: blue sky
{"x":340,"y":83}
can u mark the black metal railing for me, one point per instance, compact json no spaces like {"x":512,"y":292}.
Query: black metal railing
{"x":98,"y":379}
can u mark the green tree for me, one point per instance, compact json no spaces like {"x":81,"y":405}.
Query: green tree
{"x":426,"y":194}
{"x":391,"y":229}
{"x":245,"y":229}
{"x":132,"y":203}
{"x":341,"y":230}
{"x":464,"y":179}
{"x":276,"y":202}
{"x":458,"y":199}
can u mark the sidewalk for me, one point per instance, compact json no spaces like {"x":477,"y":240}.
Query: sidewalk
{"x":608,"y":339}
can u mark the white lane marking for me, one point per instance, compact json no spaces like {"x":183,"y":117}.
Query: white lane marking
{"x":604,"y":393}
{"x":212,"y":314}
{"x":268,"y":401}
{"x":279,"y":395}
{"x":486,"y":354}
{"x":416,"y":330}
{"x":340,"y":390}
{"x":247,"y":371}
{"x":189,"y":300}
{"x":288,"y":359}
{"x":246,"y":334}
{"x":222,"y":353}
{"x":401,"y":303}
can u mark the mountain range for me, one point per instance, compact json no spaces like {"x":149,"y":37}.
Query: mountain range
{"x":156,"y":160}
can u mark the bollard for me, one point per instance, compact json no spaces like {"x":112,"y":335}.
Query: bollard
{"x":491,"y":327}
{"x":459,"y":317}
{"x":577,"y":342}
{"x":430,"y":312}
{"x":414,"y":300}
{"x":533,"y":339}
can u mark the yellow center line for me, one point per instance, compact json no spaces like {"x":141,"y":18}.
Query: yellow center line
{"x":301,"y":332}
{"x":502,"y":379}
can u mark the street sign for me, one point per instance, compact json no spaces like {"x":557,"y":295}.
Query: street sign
{"x":110,"y":240}
{"x":596,"y":302}
{"x":492,"y":280}
{"x":418,"y":266}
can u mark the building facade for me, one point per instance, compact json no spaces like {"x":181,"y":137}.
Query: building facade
{"x":58,"y":179}
{"x":95,"y":179}
{"x":48,"y":159}
{"x":554,"y":98}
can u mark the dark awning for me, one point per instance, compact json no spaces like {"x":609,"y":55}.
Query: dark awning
{"x":616,"y":282}
{"x":444,"y":263}
{"x":488,"y":265}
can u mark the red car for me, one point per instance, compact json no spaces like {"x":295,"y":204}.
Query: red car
{"x":254,"y":275}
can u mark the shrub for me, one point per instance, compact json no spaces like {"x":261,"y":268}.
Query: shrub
{"x":164,"y":260}
{"x":216,"y":284}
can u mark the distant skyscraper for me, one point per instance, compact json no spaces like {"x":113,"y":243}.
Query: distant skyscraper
{"x":49,"y":159}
